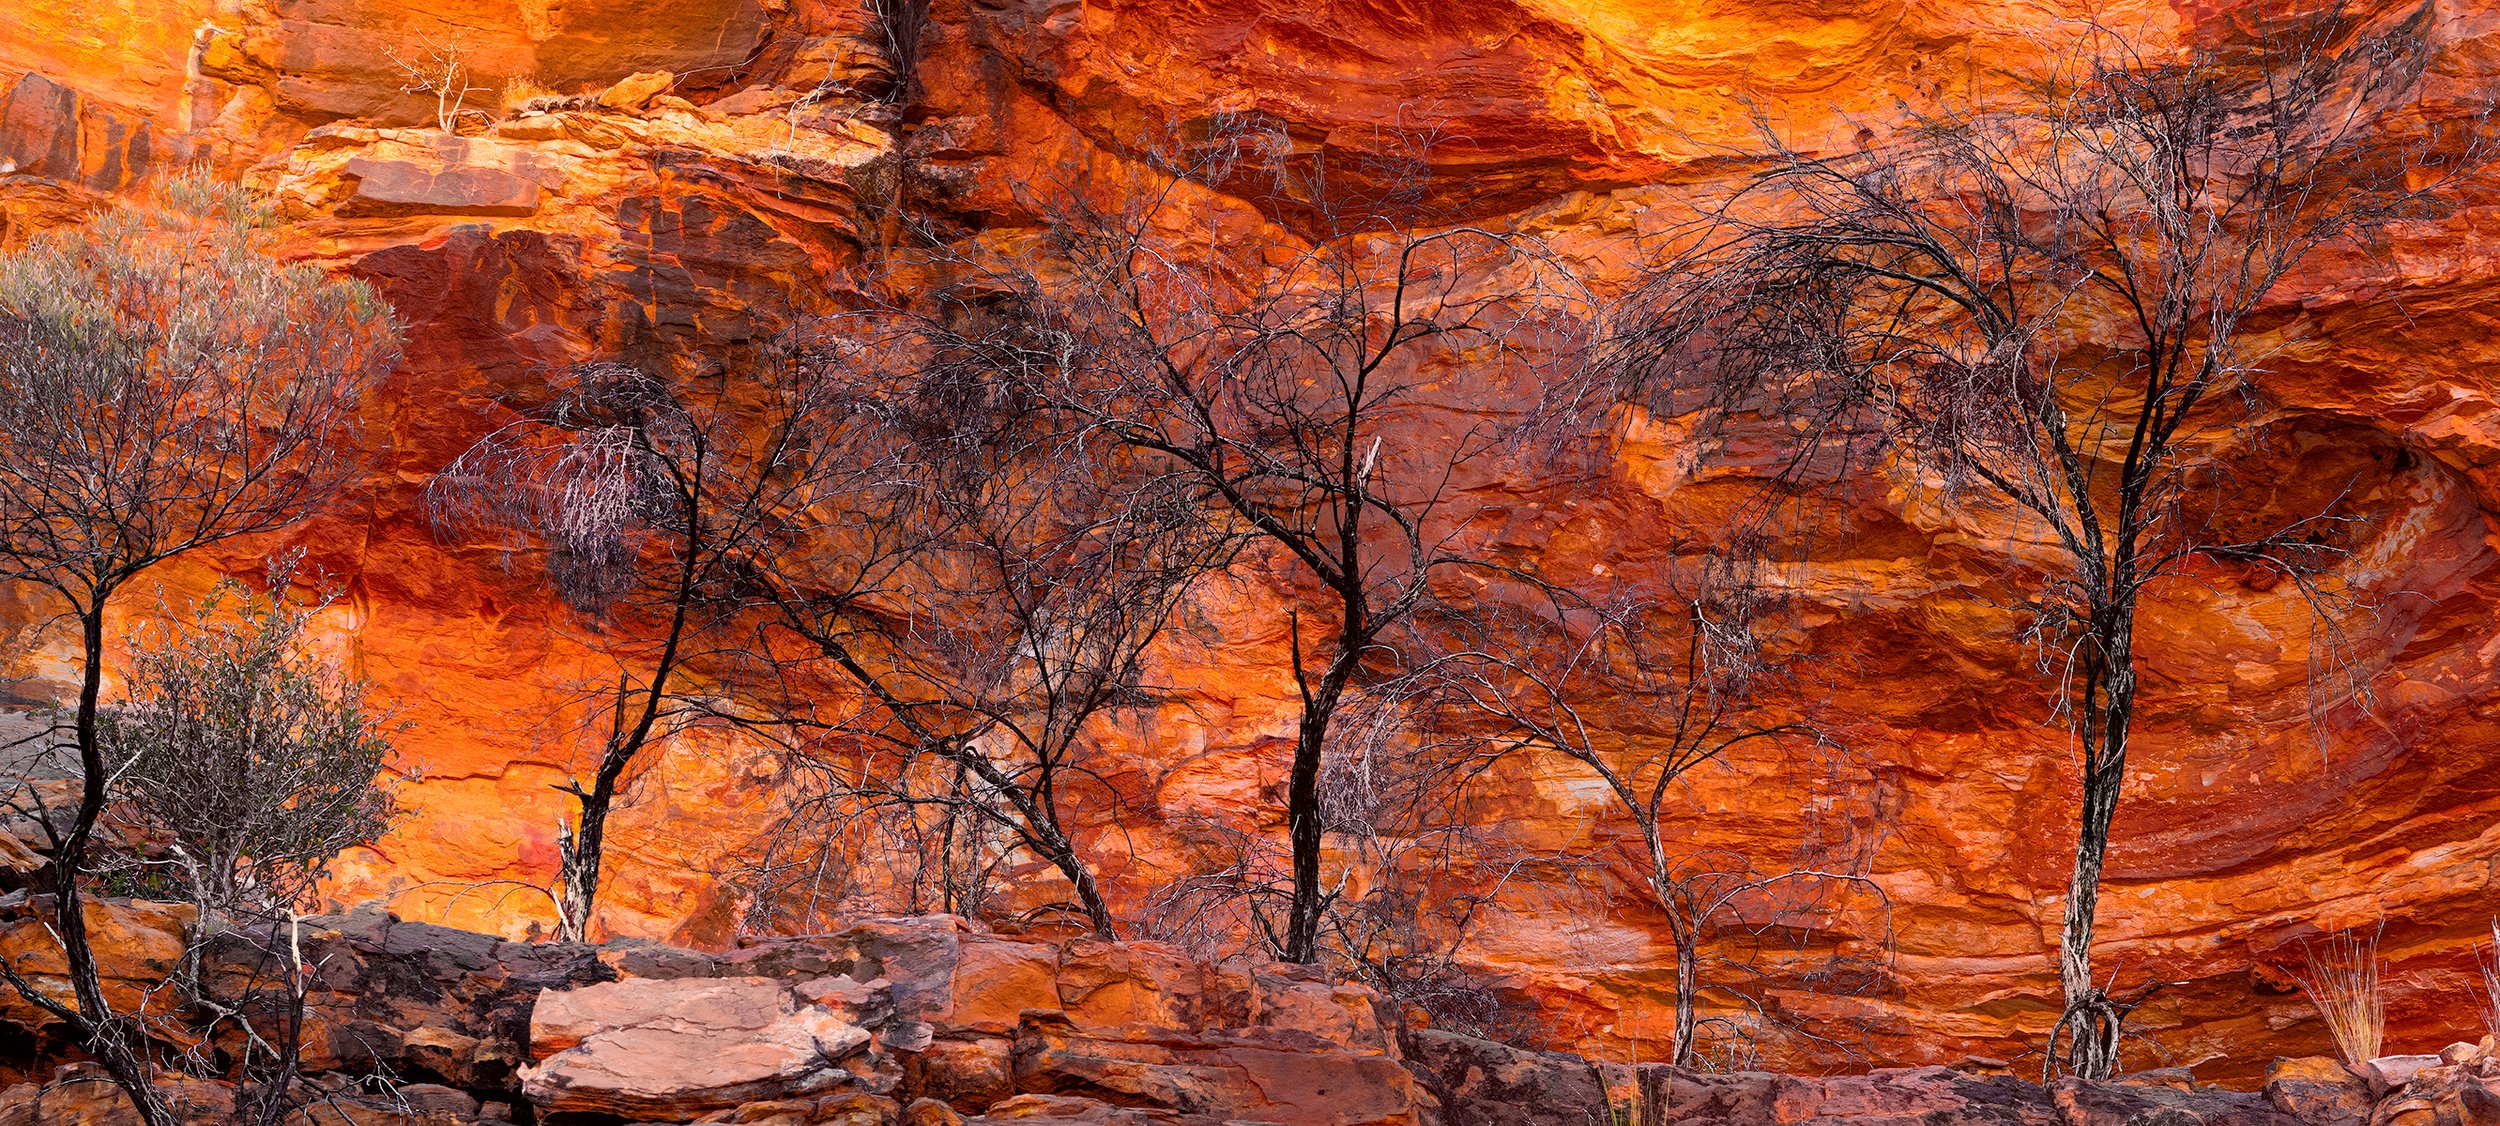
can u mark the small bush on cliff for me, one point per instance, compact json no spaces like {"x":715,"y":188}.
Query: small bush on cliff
{"x":255,"y":760}
{"x":252,"y":762}
{"x":900,"y":26}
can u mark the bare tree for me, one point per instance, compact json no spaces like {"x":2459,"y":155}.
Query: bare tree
{"x":163,"y":387}
{"x":988,"y":607}
{"x":1301,"y":364}
{"x":2036,"y":312}
{"x":643,"y":497}
{"x":442,"y":73}
{"x":1641,"y":690}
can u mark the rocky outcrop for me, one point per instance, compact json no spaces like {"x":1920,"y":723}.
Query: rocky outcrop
{"x":420,"y":1002}
{"x":1482,"y":1084}
{"x":2320,"y":1090}
{"x":2460,"y":1085}
{"x":931,"y":1022}
{"x":53,"y":132}
{"x":851,"y":1028}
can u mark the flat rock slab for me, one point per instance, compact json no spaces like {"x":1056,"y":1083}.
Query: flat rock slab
{"x":404,"y":187}
{"x":673,"y":1050}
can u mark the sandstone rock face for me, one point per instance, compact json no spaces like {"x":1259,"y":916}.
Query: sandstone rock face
{"x":1477,"y":1082}
{"x":727,"y":204}
{"x":51,"y":131}
{"x":137,"y":944}
{"x":81,"y":1094}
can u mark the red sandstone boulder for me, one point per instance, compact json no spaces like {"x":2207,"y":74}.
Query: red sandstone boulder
{"x":2318,"y":1090}
{"x":423,"y":1001}
{"x":2389,"y":1073}
{"x":137,"y":943}
{"x":676,"y":1050}
{"x":848,"y":1108}
{"x":1063,"y":1110}
{"x":80,"y":1094}
{"x":1932,"y":1096}
{"x":2451,"y":1094}
{"x":1480,"y":1083}
{"x":1258,"y":1074}
{"x":564,"y":1018}
{"x":2127,"y":1104}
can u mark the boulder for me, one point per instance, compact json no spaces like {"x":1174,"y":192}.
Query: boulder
{"x":564,"y":1018}
{"x":634,"y":91}
{"x":968,"y":1074}
{"x":2447,"y":1095}
{"x":137,"y":944}
{"x":1931,"y":1096}
{"x":1259,"y":1074}
{"x":675,"y":1050}
{"x":1928,"y":1096}
{"x":848,"y":1108}
{"x":1062,"y":1110}
{"x":2124,"y":1104}
{"x":1481,"y":1083}
{"x":2387,"y":1073}
{"x":422,"y":1002}
{"x":640,"y":957}
{"x":930,"y":1112}
{"x":2478,"y":1104}
{"x":859,"y":1002}
{"x":81,"y":1094}
{"x":2318,"y":1090}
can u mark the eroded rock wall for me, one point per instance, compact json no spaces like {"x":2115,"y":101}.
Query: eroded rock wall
{"x":722,"y":199}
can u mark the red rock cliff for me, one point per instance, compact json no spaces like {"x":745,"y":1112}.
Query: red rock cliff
{"x":717,"y":202}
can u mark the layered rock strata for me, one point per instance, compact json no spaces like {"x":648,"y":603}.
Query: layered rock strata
{"x":620,"y":177}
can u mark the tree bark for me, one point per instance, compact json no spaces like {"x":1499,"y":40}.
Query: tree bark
{"x":2107,"y":701}
{"x":1302,"y":825}
{"x":109,"y":1037}
{"x":1686,"y":930}
{"x":1302,"y":814}
{"x":581,"y":861}
{"x":581,"y":865}
{"x":1062,"y":854}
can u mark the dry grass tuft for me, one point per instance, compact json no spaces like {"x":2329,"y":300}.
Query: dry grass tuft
{"x":519,"y":93}
{"x":2342,"y":981}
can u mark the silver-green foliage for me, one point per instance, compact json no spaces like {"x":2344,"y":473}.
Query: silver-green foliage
{"x":255,"y":759}
{"x":165,"y":384}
